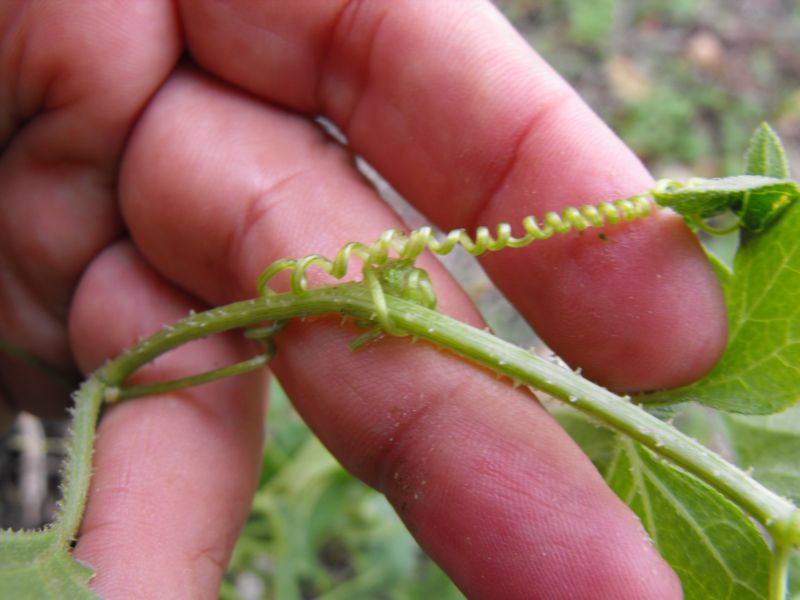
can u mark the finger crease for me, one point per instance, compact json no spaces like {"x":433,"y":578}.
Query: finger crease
{"x":348,"y":114}
{"x":327,"y":49}
{"x":258,"y":208}
{"x":543,"y":112}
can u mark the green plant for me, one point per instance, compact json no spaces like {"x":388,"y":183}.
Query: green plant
{"x":686,"y":495}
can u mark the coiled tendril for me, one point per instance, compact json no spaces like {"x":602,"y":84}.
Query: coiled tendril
{"x":408,"y":246}
{"x":388,"y":263}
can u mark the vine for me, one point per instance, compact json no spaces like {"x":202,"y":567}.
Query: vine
{"x":409,"y":246}
{"x":396,"y":297}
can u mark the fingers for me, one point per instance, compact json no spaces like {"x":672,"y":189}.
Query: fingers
{"x":73,"y":110}
{"x":451,"y":105}
{"x":173,"y":474}
{"x":73,"y":78}
{"x":216,"y":185}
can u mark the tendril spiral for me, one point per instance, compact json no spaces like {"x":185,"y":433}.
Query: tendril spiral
{"x":396,"y":245}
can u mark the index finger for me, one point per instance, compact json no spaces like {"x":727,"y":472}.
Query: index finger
{"x":469,"y":124}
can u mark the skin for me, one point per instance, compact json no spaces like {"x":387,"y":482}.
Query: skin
{"x":136,"y":188}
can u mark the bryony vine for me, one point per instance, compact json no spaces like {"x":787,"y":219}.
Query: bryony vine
{"x":395,"y":297}
{"x":388,"y":263}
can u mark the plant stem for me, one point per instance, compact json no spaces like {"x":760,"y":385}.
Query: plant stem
{"x":778,"y":571}
{"x":161,"y":387}
{"x":777,"y":514}
{"x":78,"y":461}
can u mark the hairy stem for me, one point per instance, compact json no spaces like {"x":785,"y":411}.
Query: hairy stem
{"x":136,"y":391}
{"x":777,"y":514}
{"x":778,"y":572}
{"x":771,"y":510}
{"x":78,"y":462}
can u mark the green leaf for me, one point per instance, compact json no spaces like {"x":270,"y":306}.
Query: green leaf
{"x":35,"y":566}
{"x":596,"y":441}
{"x":712,"y":546}
{"x":721,"y":270}
{"x":765,"y":155}
{"x":758,"y":200}
{"x":794,"y":577}
{"x":761,"y":207}
{"x":770,"y":446}
{"x":760,"y":371}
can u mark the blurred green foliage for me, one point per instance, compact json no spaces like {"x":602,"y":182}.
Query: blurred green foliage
{"x":683,"y":82}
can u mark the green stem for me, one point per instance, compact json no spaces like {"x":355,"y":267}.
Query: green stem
{"x":78,"y":462}
{"x":777,"y":514}
{"x":778,"y":572}
{"x":137,"y":391}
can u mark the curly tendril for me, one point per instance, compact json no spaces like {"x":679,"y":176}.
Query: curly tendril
{"x":388,"y":263}
{"x":408,"y":246}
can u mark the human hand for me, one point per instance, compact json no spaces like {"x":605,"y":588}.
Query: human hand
{"x":224,"y":172}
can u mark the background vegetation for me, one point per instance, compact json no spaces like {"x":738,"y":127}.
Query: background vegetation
{"x":684,"y":83}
